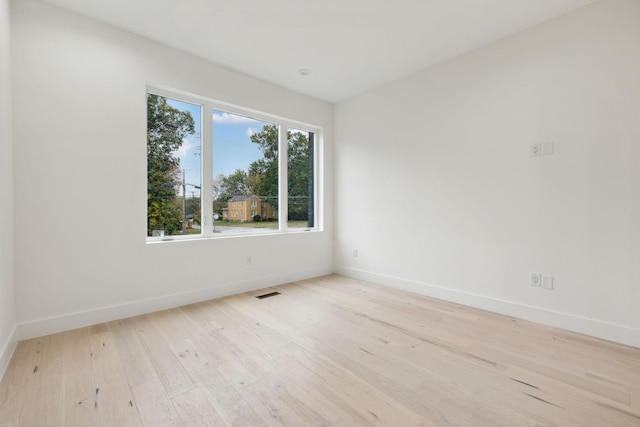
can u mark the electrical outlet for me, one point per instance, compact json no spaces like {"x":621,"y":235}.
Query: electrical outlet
{"x":535,"y":150}
{"x":547,"y":282}
{"x":535,"y":279}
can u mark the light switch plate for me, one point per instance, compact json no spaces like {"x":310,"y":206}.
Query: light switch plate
{"x":534,"y":279}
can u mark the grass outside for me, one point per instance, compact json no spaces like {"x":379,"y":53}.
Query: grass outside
{"x":262,"y":224}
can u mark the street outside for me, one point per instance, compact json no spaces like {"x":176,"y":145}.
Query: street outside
{"x":235,"y":230}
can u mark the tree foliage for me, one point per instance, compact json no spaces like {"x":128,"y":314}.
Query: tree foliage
{"x":261,"y":178}
{"x":167,"y":127}
{"x":233,"y":185}
{"x":263,"y":172}
{"x":298,"y":181}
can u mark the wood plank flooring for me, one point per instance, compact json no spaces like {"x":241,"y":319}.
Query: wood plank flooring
{"x":330,"y":351}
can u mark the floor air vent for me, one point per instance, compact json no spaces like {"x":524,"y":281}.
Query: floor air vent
{"x":270,"y":294}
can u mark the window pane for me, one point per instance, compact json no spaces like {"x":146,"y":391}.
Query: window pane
{"x":300,"y":173}
{"x":173,"y":167}
{"x":245,"y":174}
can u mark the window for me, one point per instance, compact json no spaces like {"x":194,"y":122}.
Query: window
{"x":245,"y":167}
{"x":301,"y":173}
{"x":213,"y":168}
{"x":173,"y":166}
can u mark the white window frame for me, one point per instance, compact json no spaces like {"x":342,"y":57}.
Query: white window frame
{"x":206,"y":166}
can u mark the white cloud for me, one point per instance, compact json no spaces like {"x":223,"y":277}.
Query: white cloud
{"x":251,"y":131}
{"x":299,"y":131}
{"x":184,"y":148}
{"x":231,"y":119}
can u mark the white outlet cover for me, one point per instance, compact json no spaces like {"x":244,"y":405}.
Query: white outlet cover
{"x":547,"y":282}
{"x":547,"y":148}
{"x":535,"y":150}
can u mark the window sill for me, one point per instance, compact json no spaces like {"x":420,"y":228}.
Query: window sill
{"x":224,"y":236}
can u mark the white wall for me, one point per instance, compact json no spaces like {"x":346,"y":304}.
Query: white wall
{"x":80,"y":170}
{"x":435,"y":187}
{"x":7,"y":300}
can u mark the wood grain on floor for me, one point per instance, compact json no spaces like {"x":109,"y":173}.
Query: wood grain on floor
{"x":329,"y":351}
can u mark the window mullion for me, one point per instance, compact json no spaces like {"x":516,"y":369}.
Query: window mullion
{"x":207,"y":171}
{"x":317,"y":182}
{"x":283,"y":185}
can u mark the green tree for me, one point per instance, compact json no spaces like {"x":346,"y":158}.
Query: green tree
{"x":192,"y":206}
{"x":217,"y":204}
{"x":298,"y":180}
{"x":261,"y":178}
{"x":263,"y":173}
{"x":231,"y":185}
{"x":167,"y":127}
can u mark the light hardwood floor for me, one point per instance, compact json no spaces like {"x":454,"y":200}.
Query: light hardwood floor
{"x":330,"y":351}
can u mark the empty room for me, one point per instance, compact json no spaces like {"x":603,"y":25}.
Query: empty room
{"x":348,"y":213}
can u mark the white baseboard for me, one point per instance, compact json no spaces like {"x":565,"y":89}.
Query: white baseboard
{"x":6,"y":351}
{"x":66,"y":322}
{"x":592,"y":327}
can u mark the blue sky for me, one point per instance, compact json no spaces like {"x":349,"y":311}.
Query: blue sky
{"x":232,"y":147}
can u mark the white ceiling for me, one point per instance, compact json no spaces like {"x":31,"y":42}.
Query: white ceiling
{"x":349,"y":45}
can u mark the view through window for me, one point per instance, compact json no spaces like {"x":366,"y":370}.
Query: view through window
{"x":173,"y":167}
{"x":300,"y":180}
{"x":213,"y":172}
{"x":245,"y":174}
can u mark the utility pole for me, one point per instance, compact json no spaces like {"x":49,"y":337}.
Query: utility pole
{"x":193,"y":209}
